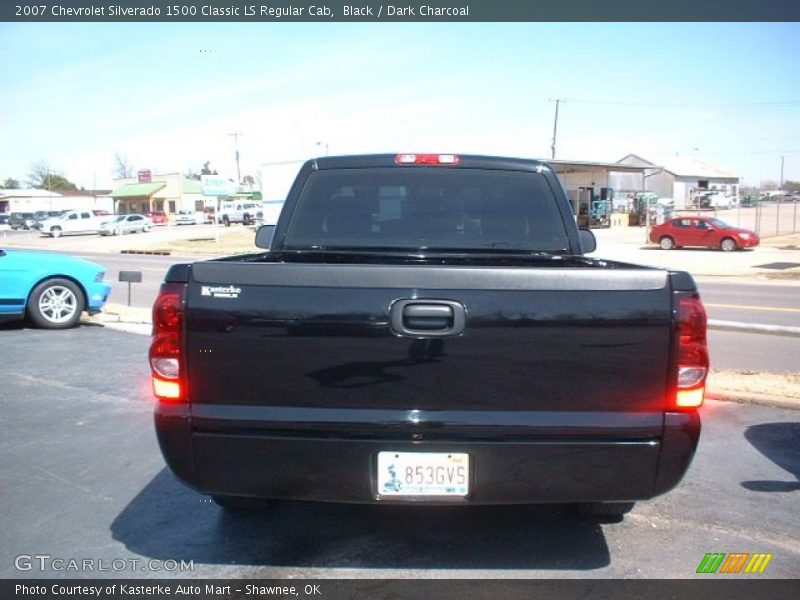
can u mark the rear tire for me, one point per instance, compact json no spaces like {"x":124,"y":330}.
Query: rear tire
{"x":240,"y":503}
{"x":728,"y":245}
{"x":226,"y":221}
{"x":604,"y":511}
{"x":666,"y":243}
{"x":55,"y":232}
{"x":246,"y":219}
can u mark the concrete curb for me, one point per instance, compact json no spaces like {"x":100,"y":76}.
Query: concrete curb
{"x":753,"y":328}
{"x":753,"y":398}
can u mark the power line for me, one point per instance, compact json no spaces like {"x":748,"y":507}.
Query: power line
{"x":682,"y":104}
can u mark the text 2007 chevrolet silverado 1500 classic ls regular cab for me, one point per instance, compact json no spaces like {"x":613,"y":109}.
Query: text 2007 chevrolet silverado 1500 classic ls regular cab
{"x":425,"y":328}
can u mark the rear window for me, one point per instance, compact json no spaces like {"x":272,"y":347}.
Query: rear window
{"x":426,"y":208}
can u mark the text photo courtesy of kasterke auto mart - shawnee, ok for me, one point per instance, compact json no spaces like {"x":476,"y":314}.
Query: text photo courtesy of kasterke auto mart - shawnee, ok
{"x":367,"y":303}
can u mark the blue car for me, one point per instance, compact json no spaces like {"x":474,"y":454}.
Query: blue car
{"x":51,"y":289}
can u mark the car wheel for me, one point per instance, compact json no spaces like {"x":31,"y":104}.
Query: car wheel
{"x":226,"y":221}
{"x":55,"y":304}
{"x":240,"y":503}
{"x":604,"y":511}
{"x":666,"y":243}
{"x":55,"y":232}
{"x":728,"y":245}
{"x":246,"y":219}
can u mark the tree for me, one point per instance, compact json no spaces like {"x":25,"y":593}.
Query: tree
{"x":43,"y":177}
{"x":791,"y":186}
{"x":206,"y":170}
{"x":249,"y":181}
{"x":122,"y":167}
{"x":11,"y":184}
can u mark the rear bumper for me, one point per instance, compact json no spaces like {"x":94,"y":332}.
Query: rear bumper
{"x":278,"y":461}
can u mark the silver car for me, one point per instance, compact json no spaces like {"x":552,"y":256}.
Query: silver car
{"x":123,"y":224}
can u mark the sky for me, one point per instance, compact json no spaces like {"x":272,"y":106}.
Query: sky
{"x":167,"y":96}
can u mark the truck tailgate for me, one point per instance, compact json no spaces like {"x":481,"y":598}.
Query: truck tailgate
{"x":535,"y":340}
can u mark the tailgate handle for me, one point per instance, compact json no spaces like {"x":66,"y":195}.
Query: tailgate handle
{"x":427,"y":318}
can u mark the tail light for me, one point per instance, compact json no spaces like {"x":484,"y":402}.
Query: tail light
{"x":426,"y":159}
{"x":692,"y":352}
{"x":166,"y":349}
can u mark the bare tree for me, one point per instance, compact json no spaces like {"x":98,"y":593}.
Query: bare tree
{"x":122,"y":167}
{"x":43,"y":177}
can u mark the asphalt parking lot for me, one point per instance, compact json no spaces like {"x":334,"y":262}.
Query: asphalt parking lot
{"x":81,"y":476}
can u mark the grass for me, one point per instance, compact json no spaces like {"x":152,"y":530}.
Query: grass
{"x":239,"y":240}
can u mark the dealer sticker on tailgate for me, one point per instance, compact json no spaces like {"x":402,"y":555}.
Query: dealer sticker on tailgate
{"x":423,"y":474}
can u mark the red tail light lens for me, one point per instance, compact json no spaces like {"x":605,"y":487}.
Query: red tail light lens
{"x":692,"y":353}
{"x":166,"y":347}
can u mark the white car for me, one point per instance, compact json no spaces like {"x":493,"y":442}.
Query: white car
{"x":185,"y":217}
{"x":122,"y":224}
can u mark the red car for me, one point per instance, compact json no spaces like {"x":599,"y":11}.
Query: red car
{"x":709,"y":232}
{"x":158,"y":217}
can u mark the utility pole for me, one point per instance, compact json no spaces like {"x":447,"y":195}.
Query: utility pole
{"x":235,"y":136}
{"x":780,"y":187}
{"x":555,"y":128}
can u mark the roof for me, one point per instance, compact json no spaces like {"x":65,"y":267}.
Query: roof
{"x":682,"y":166}
{"x":137,"y":189}
{"x":84,"y":192}
{"x":572,"y":166}
{"x":688,"y":166}
{"x":29,"y":193}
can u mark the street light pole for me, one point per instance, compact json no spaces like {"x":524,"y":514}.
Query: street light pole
{"x":235,"y":136}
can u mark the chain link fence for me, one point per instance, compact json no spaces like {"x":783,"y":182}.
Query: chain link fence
{"x":768,"y":218}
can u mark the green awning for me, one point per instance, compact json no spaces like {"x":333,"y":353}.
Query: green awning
{"x":132,"y":190}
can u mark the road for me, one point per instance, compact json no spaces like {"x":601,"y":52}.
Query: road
{"x":81,"y":476}
{"x":768,"y":303}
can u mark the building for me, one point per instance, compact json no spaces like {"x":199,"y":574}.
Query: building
{"x":32,"y":200}
{"x":169,"y":193}
{"x":680,"y":179}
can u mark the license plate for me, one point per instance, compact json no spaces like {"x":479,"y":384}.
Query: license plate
{"x":423,"y":474}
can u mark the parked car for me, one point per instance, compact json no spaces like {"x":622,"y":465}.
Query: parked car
{"x":708,"y":232}
{"x":209,"y":214}
{"x":237,"y":211}
{"x":51,"y":289}
{"x":4,"y":226}
{"x":186,"y":217}
{"x":158,"y":217}
{"x":22,"y":220}
{"x":122,"y":224}
{"x":71,"y":221}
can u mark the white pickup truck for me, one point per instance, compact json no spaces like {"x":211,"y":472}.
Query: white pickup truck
{"x":72,"y":221}
{"x":237,"y":211}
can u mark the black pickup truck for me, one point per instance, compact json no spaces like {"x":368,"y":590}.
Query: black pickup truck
{"x":426,"y":328}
